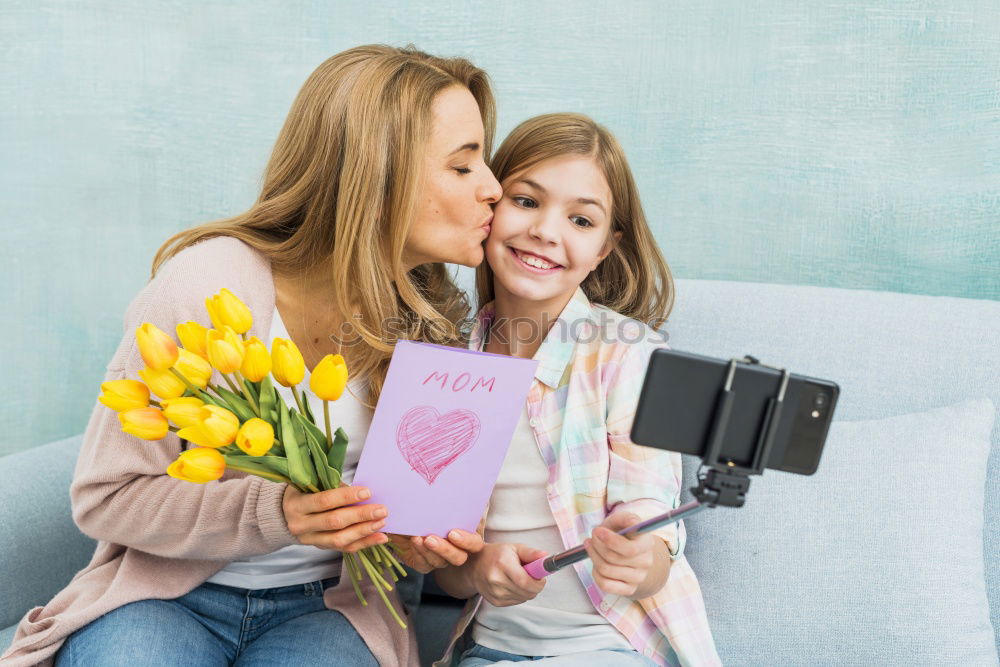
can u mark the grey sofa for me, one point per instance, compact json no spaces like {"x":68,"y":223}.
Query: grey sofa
{"x":890,"y":554}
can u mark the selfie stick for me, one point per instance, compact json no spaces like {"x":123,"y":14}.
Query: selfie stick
{"x":724,"y":483}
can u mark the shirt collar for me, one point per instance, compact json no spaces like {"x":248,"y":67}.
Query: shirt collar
{"x":556,"y":351}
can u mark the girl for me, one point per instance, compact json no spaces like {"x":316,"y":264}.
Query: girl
{"x":576,"y":281}
{"x":377,"y":178}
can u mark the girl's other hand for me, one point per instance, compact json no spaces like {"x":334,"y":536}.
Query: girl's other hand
{"x":431,"y":552}
{"x":623,"y":565}
{"x":498,"y":574}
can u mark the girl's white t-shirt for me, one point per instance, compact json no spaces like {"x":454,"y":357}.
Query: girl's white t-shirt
{"x":561,"y":619}
{"x":301,"y":563}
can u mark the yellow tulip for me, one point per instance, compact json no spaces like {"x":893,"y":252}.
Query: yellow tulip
{"x":198,"y":465}
{"x":158,"y":350}
{"x":192,"y":337}
{"x":213,"y":313}
{"x":225,"y":350}
{"x":183,"y":411}
{"x":256,"y":360}
{"x":255,"y":437}
{"x":145,"y":423}
{"x":216,"y":427}
{"x":194,"y":368}
{"x":288,"y":367}
{"x":121,"y":395}
{"x":329,"y":377}
{"x":226,"y":310}
{"x":163,"y":383}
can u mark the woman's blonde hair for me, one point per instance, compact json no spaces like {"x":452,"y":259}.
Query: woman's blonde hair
{"x":340,"y":193}
{"x":633,"y":279}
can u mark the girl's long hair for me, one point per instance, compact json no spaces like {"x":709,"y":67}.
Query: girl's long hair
{"x":340,"y":191}
{"x":634,"y":278}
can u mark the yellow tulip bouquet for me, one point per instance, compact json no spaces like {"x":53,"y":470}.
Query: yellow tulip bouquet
{"x":247,"y":426}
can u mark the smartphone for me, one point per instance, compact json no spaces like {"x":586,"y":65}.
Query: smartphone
{"x":679,"y":397}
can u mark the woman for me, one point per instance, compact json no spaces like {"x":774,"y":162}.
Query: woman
{"x":377,"y":178}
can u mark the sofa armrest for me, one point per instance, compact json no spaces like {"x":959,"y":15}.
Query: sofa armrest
{"x":40,"y":546}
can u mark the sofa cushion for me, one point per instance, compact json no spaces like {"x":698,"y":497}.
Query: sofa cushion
{"x":40,"y":546}
{"x":891,"y":354}
{"x":879,"y":553}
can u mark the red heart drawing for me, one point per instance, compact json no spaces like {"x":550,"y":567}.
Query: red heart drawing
{"x":431,"y":442}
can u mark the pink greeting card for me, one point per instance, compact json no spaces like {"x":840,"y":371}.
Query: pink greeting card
{"x":440,"y":434}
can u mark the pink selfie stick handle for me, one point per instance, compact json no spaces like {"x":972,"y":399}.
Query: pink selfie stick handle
{"x":536,"y":568}
{"x":543,"y":567}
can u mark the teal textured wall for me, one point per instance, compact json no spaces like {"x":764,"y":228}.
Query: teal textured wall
{"x":852,"y":144}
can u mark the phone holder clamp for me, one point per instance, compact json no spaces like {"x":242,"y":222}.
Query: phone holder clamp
{"x":725,"y":482}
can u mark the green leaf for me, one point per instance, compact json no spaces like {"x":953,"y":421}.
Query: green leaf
{"x":319,"y":461}
{"x":252,"y":389}
{"x":237,"y":404}
{"x":338,"y":451}
{"x":317,"y":433}
{"x":208,"y":399}
{"x":303,"y":442}
{"x":274,"y":464}
{"x":296,"y":468}
{"x":305,"y":404}
{"x":266,"y":399}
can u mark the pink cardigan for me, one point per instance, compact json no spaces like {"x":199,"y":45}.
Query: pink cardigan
{"x":158,"y":537}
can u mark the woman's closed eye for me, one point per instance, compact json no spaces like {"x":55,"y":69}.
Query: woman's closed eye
{"x":462,"y":170}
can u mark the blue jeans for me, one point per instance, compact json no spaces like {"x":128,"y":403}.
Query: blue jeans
{"x":222,"y":625}
{"x":613,"y":657}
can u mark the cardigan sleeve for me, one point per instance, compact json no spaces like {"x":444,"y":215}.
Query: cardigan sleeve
{"x":121,"y":492}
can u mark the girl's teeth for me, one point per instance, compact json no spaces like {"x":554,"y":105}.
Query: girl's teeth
{"x":534,"y":261}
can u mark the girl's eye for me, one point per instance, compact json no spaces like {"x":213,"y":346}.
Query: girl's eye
{"x":580,"y":221}
{"x":463,"y":170}
{"x":526,"y":202}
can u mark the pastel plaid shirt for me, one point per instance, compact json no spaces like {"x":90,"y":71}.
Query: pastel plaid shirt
{"x":580,"y":408}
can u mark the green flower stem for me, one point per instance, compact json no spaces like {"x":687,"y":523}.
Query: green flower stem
{"x":354,"y":571}
{"x":232,"y":385}
{"x":172,"y":429}
{"x":298,"y":400}
{"x":187,"y":383}
{"x":376,"y":579}
{"x":392,"y":558}
{"x":312,"y":488}
{"x":326,"y":416}
{"x":154,"y":403}
{"x":273,"y":476}
{"x":249,"y":395}
{"x":373,"y":571}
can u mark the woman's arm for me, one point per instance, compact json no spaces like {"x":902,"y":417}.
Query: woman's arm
{"x":120,"y":491}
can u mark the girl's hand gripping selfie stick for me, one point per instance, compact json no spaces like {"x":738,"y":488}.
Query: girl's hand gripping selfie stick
{"x":722,"y":484}
{"x":545,"y":566}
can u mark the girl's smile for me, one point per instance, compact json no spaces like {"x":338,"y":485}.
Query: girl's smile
{"x":535,"y":263}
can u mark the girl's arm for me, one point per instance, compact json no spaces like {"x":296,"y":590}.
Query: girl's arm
{"x":642,"y":480}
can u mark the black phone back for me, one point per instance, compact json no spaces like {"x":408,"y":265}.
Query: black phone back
{"x":678,"y":401}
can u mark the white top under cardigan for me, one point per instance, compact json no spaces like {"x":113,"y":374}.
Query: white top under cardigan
{"x":301,"y":563}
